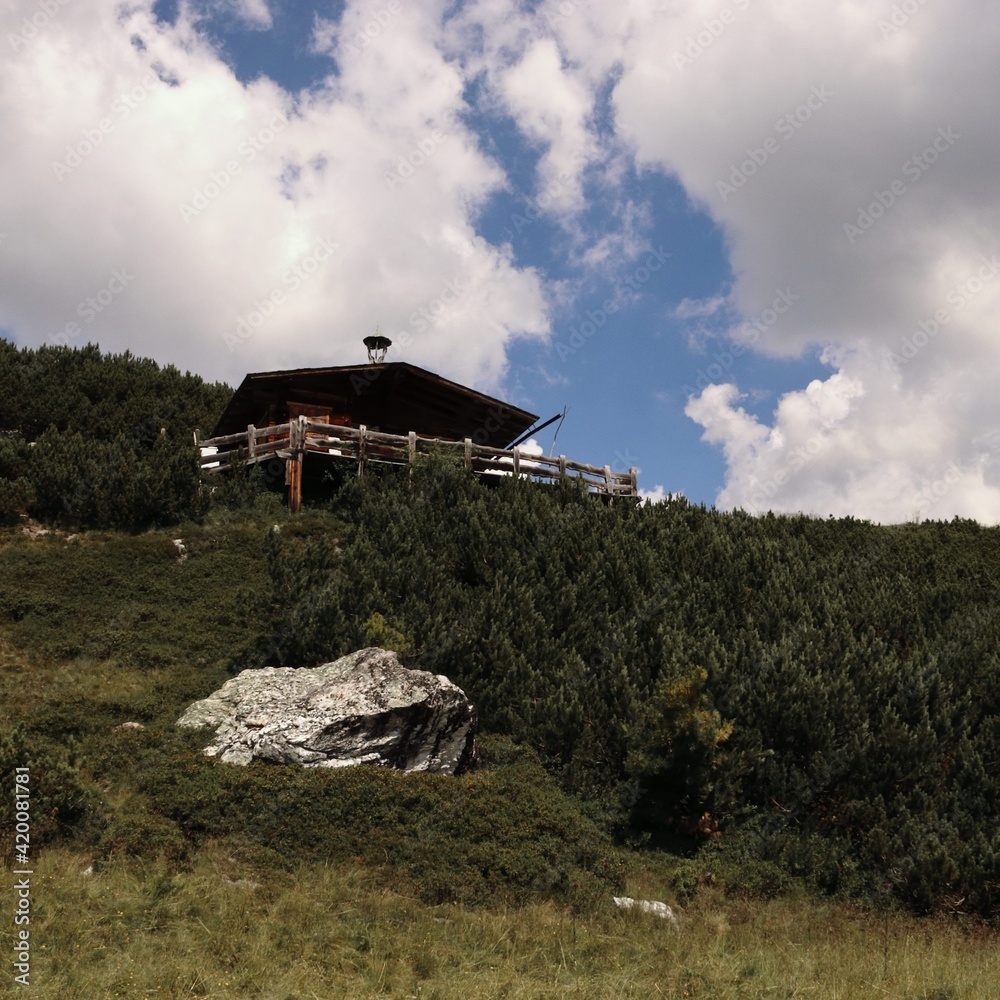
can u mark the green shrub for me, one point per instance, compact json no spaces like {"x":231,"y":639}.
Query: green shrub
{"x":101,"y":440}
{"x":502,"y":834}
{"x":62,"y":804}
{"x":743,"y":878}
{"x":141,"y":834}
{"x":16,"y":496}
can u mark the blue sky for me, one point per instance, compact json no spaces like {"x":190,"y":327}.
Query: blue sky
{"x":750,"y":246}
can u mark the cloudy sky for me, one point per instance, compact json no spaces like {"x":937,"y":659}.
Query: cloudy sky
{"x":753,"y":245}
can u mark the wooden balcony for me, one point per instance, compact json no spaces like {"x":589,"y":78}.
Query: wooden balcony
{"x":292,"y":441}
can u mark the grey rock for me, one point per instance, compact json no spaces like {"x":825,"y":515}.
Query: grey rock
{"x":364,"y":708}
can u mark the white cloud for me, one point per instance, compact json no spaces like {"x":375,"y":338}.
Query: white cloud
{"x":257,"y":229}
{"x":254,"y":12}
{"x":551,"y":107}
{"x":691,"y":308}
{"x":789,"y":126}
{"x":845,"y":151}
{"x":658,"y":494}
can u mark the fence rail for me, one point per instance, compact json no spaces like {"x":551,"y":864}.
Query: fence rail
{"x":302,"y":436}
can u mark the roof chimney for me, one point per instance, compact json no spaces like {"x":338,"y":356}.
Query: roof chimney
{"x":377,"y":347}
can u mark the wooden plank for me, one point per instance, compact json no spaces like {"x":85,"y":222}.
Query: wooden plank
{"x":589,"y":470}
{"x":251,"y":442}
{"x":274,"y":450}
{"x":293,"y":473}
{"x":277,"y":430}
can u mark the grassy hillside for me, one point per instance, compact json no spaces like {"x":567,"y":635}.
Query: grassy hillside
{"x":159,"y":873}
{"x":786,"y":727}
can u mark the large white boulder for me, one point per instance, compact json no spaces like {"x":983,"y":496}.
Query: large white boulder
{"x":365,"y":708}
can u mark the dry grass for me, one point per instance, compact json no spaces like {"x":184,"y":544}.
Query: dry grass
{"x":226,"y":930}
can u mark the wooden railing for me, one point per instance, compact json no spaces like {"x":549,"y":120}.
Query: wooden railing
{"x":291,"y":441}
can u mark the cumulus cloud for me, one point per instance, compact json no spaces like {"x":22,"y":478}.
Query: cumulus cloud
{"x":551,"y":107}
{"x":154,"y":202}
{"x":846,"y":151}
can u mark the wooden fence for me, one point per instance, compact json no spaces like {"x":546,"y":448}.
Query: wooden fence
{"x":292,"y":441}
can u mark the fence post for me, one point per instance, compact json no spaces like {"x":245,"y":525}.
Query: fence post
{"x":633,"y":475}
{"x":468,"y":453}
{"x":251,"y":441}
{"x":362,"y":431}
{"x":517,"y":462}
{"x":293,"y":467}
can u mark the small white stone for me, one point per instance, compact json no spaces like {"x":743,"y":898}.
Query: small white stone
{"x":646,"y":906}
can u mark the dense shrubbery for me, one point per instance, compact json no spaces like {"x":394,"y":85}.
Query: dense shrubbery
{"x":100,"y":440}
{"x":498,"y":835}
{"x":809,"y":700}
{"x":63,"y":804}
{"x":819,"y":694}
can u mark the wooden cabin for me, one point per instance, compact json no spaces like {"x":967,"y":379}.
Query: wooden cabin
{"x":379,"y":412}
{"x":393,"y":398}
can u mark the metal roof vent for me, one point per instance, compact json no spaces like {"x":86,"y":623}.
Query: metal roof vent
{"x":377,"y":347}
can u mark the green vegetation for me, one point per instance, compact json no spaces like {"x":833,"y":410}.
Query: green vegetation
{"x":820,"y":695}
{"x":100,"y":440}
{"x":788,"y":728}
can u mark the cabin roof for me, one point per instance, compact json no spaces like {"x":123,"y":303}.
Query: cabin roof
{"x":394,"y":397}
